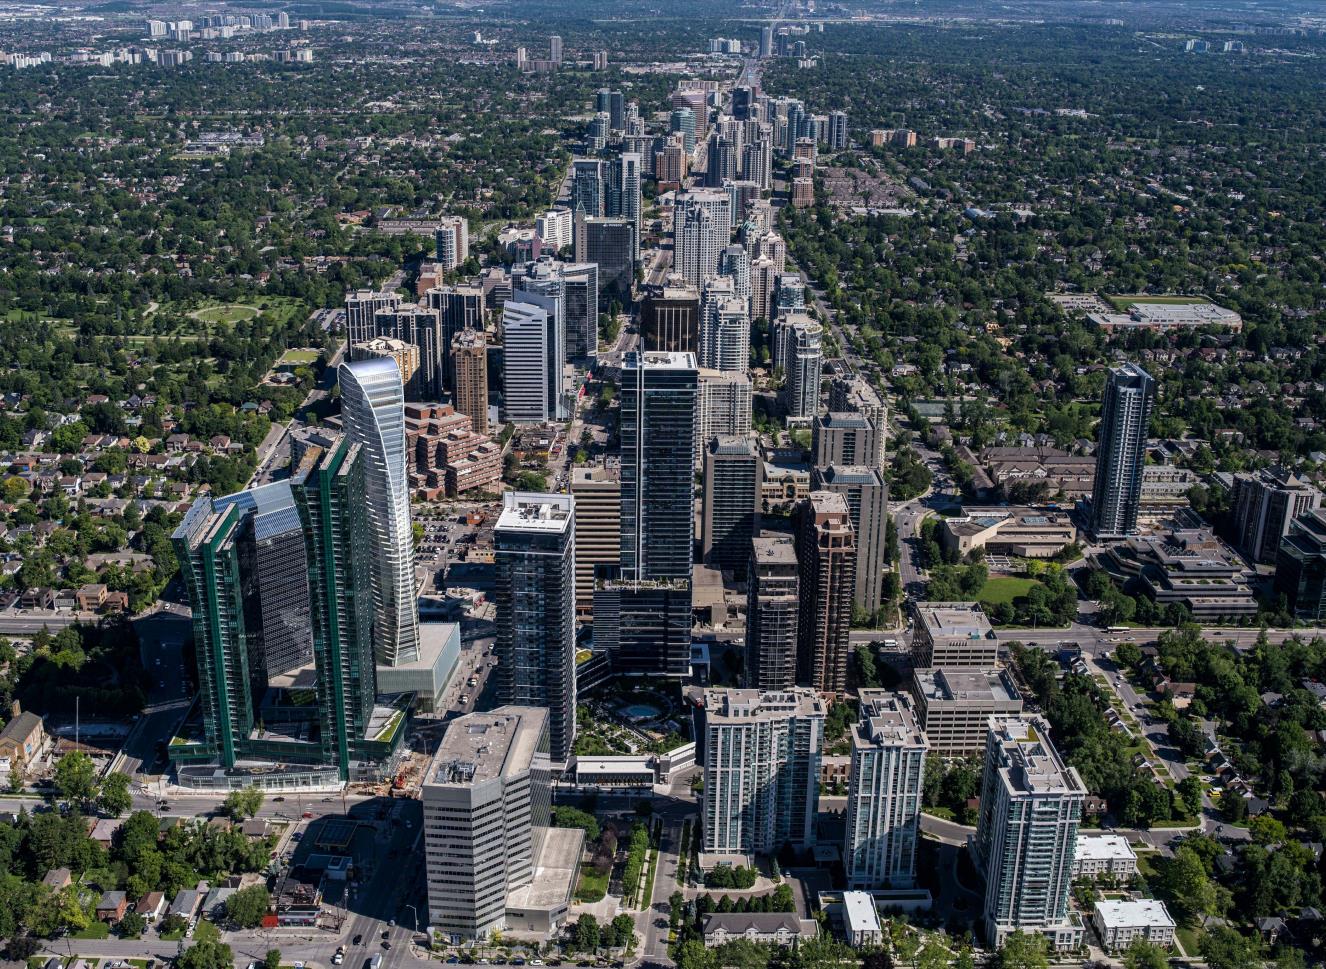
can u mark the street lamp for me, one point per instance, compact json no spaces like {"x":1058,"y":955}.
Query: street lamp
{"x":415,"y":913}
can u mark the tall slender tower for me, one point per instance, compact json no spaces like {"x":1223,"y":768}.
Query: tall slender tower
{"x":884,"y":801}
{"x":469,"y":353}
{"x":1031,"y":808}
{"x":534,"y":552}
{"x":772,"y":608}
{"x":826,"y":549}
{"x":1130,"y":393}
{"x":373,"y":409}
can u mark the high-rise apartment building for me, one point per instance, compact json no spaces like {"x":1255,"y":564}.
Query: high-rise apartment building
{"x":837,"y":136}
{"x":761,"y":757}
{"x":724,"y":407}
{"x":800,"y":340}
{"x":682,"y":122}
{"x":534,"y":558}
{"x":670,"y":319}
{"x":555,"y":49}
{"x":773,"y":608}
{"x":723,"y":161}
{"x":826,"y":549}
{"x":469,"y":354}
{"x":698,"y":239}
{"x":1130,"y":393}
{"x":734,"y":263}
{"x":487,"y":805}
{"x":556,"y":228}
{"x":453,"y":241}
{"x":531,"y":374}
{"x":361,"y":308}
{"x":766,"y":42}
{"x":587,"y":187}
{"x":854,"y":393}
{"x":279,"y":578}
{"x":598,"y":532}
{"x":405,"y":355}
{"x":763,"y":276}
{"x":868,"y":504}
{"x":884,"y":795}
{"x":373,"y":410}
{"x":459,"y":308}
{"x":657,"y":428}
{"x":421,"y":328}
{"x":730,"y":505}
{"x":1031,"y":808}
{"x":1300,"y":568}
{"x":846,"y":438}
{"x":724,"y":327}
{"x":1263,"y":505}
{"x":623,"y":192}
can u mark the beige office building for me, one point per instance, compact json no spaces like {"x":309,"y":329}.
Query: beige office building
{"x":955,"y":706}
{"x":953,"y":634}
{"x":598,"y":495}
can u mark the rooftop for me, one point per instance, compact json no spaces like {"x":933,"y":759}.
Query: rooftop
{"x":887,"y":720}
{"x":1103,"y":847}
{"x":966,"y":685}
{"x":860,"y":912}
{"x":754,"y":704}
{"x":531,"y":512}
{"x":1131,"y":912}
{"x":484,"y":746}
{"x":954,"y":620}
{"x":1030,"y":762}
{"x":774,"y":549}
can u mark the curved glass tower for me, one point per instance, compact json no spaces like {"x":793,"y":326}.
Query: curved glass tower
{"x":373,"y":409}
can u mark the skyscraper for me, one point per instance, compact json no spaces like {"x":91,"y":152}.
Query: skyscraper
{"x":1300,"y":568}
{"x":555,"y":49}
{"x":361,"y":307}
{"x":766,"y":41}
{"x":698,"y":239}
{"x":609,"y":244}
{"x":598,"y":533}
{"x":868,"y":504}
{"x":453,"y":241}
{"x":725,"y":332}
{"x":761,"y":757}
{"x":623,"y":192}
{"x":587,"y":189}
{"x":405,"y":355}
{"x":837,"y":135}
{"x":1031,"y":807}
{"x":725,"y":404}
{"x":581,"y":331}
{"x":469,"y":354}
{"x":682,"y":121}
{"x":884,"y":799}
{"x":772,"y":609}
{"x":730,"y":506}
{"x":460,"y":308}
{"x":657,"y":426}
{"x":531,"y":383}
{"x":373,"y":409}
{"x":670,"y":319}
{"x":1130,"y":394}
{"x":642,"y":609}
{"x":826,"y":549}
{"x":279,"y":578}
{"x":845,"y":437}
{"x":421,"y":327}
{"x":801,"y":341}
{"x":534,"y":557}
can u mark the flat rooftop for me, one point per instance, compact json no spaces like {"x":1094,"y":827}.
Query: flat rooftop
{"x":1138,"y":911}
{"x":524,"y":511}
{"x":554,"y":871}
{"x":965,"y":685}
{"x":955,"y":620}
{"x":1032,"y":765}
{"x":1103,"y":847}
{"x":754,"y":704}
{"x":887,"y":720}
{"x":774,"y":549}
{"x":484,"y":746}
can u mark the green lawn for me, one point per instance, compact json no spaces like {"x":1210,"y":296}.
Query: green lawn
{"x":593,"y":886}
{"x":297,"y":358}
{"x":1005,"y":588}
{"x":97,"y":930}
{"x":1189,"y":939}
{"x":225,"y":313}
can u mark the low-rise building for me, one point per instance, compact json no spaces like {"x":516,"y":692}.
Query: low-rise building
{"x":956,"y":705}
{"x":1189,"y":567}
{"x":1034,"y":533}
{"x":777,"y":928}
{"x":1120,"y":922}
{"x":23,"y":738}
{"x":861,"y":920}
{"x":1104,"y":855}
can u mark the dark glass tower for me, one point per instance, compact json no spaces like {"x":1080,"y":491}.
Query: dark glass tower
{"x":1130,"y":394}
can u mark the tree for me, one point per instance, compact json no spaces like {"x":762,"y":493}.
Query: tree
{"x":273,"y":959}
{"x":565,"y":816}
{"x":131,"y":926}
{"x":243,"y":803}
{"x":76,"y":778}
{"x":1022,"y":951}
{"x":1185,"y":884}
{"x":207,"y":955}
{"x":587,"y":934}
{"x":1145,"y":955}
{"x":1224,"y":948}
{"x":247,"y":906}
{"x":115,"y":798}
{"x":621,"y":930}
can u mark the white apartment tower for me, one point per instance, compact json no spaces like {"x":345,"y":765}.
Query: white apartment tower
{"x":761,"y":756}
{"x":884,"y":800}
